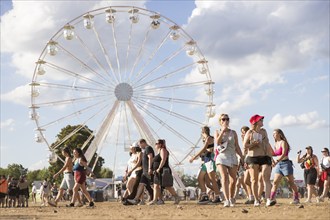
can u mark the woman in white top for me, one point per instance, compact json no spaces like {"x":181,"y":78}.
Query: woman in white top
{"x":134,"y":168}
{"x":325,"y":173}
{"x":226,"y":159}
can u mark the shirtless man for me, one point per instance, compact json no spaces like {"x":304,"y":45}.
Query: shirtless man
{"x":68,"y":180}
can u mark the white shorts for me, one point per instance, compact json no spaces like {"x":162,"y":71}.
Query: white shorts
{"x":67,"y":182}
{"x":229,"y":160}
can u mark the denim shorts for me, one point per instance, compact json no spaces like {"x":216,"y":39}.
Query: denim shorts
{"x":284,"y":168}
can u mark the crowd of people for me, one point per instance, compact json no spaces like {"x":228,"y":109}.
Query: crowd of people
{"x":251,"y":167}
{"x":225,"y":169}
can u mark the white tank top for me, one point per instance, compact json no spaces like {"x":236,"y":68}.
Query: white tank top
{"x":325,"y":162}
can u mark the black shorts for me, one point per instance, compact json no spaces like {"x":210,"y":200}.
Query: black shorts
{"x":310,"y":176}
{"x":259,"y":160}
{"x":157,"y":178}
{"x":146,"y":179}
{"x":2,"y":195}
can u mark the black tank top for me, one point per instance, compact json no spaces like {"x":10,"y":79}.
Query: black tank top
{"x":157,"y":159}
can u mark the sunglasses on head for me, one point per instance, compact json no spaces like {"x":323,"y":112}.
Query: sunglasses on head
{"x":224,"y":119}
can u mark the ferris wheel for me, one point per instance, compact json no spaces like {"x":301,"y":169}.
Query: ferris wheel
{"x":126,"y":73}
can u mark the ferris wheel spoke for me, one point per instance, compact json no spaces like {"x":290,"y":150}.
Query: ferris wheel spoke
{"x":69,"y":101}
{"x":93,"y":106}
{"x":76,"y":75}
{"x":83,"y":64}
{"x":151,"y":57}
{"x":106,"y":55}
{"x":170,"y":112}
{"x":70,"y":87}
{"x":165,"y":76}
{"x":91,"y":54}
{"x":170,"y":87}
{"x":116,"y":49}
{"x":174,"y":54}
{"x":138,"y":57}
{"x":171,"y":99}
{"x":164,"y":124}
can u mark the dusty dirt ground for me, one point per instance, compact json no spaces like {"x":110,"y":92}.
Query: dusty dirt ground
{"x":185,"y":210}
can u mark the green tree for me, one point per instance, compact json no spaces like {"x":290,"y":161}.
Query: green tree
{"x":16,"y":170}
{"x":105,"y":173}
{"x":189,"y":180}
{"x":78,"y":139}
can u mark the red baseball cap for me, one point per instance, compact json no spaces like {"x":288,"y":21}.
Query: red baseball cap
{"x":255,"y":118}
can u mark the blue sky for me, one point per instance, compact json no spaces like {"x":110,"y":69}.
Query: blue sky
{"x":270,"y":58}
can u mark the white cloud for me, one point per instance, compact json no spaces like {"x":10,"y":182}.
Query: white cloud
{"x":8,"y":124}
{"x":39,"y":165}
{"x":28,"y":27}
{"x":20,"y":95}
{"x":250,"y":45}
{"x":309,"y":120}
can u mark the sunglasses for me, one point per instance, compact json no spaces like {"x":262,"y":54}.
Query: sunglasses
{"x":224,"y":119}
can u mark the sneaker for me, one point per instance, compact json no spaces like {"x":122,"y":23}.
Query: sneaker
{"x":133,"y":201}
{"x":204,"y":200}
{"x":308,"y":201}
{"x":256,"y":203}
{"x":152,"y":203}
{"x":226,"y":203}
{"x":176,"y":200}
{"x":126,"y":203}
{"x":216,"y":201}
{"x":319,"y":199}
{"x":51,"y":203}
{"x":70,"y":205}
{"x":270,"y":202}
{"x":295,"y":202}
{"x":160,"y":202}
{"x":232,"y":202}
{"x":142,"y":202}
{"x":249,"y":202}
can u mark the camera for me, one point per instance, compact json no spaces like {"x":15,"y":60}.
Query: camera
{"x":299,"y":152}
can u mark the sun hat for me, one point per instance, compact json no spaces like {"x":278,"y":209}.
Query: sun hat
{"x":255,"y":118}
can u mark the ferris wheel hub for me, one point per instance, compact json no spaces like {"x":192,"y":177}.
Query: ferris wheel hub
{"x":124,"y":92}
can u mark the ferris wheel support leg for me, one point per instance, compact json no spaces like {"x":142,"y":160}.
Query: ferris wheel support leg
{"x":140,"y":123}
{"x":102,"y":133}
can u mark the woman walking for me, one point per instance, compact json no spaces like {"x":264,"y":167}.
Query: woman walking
{"x":311,"y":170}
{"x":208,"y":158}
{"x":226,"y":159}
{"x":258,"y":158}
{"x":79,"y":168}
{"x":283,"y":167}
{"x":68,"y":179}
{"x":325,"y":174}
{"x":160,"y":166}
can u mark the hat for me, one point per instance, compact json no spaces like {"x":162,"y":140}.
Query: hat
{"x":255,"y":118}
{"x":160,"y":141}
{"x":325,"y":150}
{"x":135,"y":144}
{"x":309,"y":147}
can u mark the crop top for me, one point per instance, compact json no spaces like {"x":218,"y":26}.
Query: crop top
{"x":279,"y":152}
{"x":77,"y":166}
